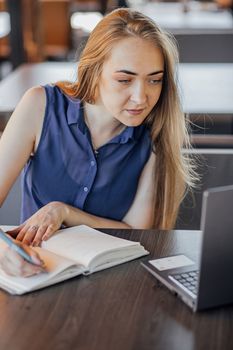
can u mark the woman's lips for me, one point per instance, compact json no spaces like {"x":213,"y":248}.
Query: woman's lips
{"x":134,"y":111}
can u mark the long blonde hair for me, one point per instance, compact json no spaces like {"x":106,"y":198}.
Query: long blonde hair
{"x":174,"y":171}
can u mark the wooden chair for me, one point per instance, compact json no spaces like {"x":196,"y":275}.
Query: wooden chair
{"x":55,"y":30}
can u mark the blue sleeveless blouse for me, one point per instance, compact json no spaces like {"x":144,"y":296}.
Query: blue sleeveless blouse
{"x":65,"y":167}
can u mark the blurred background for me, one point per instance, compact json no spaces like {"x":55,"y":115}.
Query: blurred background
{"x":42,"y":30}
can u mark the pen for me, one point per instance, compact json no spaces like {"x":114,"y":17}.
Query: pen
{"x":16,"y":247}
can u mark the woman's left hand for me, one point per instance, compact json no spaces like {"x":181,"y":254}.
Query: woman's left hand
{"x":40,"y":226}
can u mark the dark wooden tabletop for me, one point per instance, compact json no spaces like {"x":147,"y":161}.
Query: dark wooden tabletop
{"x":119,"y":308}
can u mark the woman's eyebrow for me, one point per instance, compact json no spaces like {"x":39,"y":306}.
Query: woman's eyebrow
{"x":133,"y":73}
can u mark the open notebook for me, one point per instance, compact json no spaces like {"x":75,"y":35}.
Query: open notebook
{"x":71,"y":252}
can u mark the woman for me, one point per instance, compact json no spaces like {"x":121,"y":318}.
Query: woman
{"x":105,"y":151}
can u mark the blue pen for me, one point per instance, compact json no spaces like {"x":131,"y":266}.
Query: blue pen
{"x":16,"y":247}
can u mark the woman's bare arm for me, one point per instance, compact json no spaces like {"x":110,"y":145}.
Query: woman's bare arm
{"x":20,"y":138}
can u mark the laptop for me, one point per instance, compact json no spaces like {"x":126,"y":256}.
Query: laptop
{"x":208,"y":282}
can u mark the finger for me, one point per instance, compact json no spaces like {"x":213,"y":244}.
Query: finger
{"x":22,"y":233}
{"x":8,"y":268}
{"x":38,"y":237}
{"x":30,"y":270}
{"x":23,"y":269}
{"x":12,"y":263}
{"x":12,"y":256}
{"x":35,"y":256}
{"x":49,"y":232}
{"x":27,"y":234}
{"x":14,"y":232}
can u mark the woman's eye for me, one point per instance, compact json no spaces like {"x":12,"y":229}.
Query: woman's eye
{"x":124,"y":81}
{"x":154,"y":82}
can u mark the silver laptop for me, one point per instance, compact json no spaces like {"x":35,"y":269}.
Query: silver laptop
{"x":207,"y":282}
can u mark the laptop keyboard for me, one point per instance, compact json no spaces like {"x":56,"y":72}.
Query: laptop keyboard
{"x":187,"y":281}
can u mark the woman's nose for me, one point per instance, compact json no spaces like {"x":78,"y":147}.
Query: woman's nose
{"x":138,"y":94}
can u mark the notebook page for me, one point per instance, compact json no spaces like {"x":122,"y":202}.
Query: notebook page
{"x":82,"y":244}
{"x":116,"y":257}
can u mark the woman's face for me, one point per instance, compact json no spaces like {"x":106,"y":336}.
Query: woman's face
{"x":131,"y":81}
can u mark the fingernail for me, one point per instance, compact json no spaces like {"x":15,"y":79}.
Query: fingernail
{"x":45,"y":238}
{"x":38,"y":262}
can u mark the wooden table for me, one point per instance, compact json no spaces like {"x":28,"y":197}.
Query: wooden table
{"x":119,"y":308}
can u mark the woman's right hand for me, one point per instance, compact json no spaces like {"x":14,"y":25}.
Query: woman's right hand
{"x":14,"y":265}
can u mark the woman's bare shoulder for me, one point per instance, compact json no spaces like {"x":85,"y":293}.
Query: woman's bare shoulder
{"x":32,"y":105}
{"x":35,"y":95}
{"x":28,"y":115}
